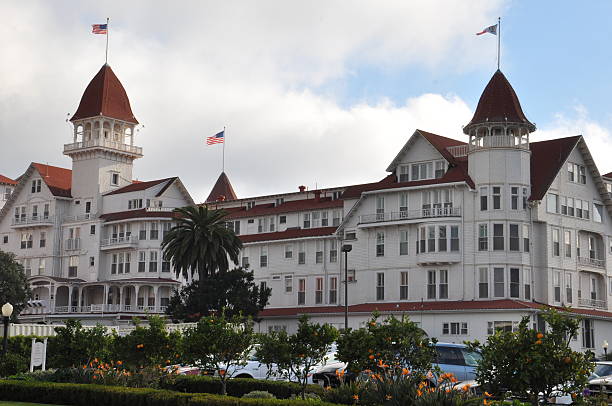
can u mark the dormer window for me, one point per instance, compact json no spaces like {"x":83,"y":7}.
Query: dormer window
{"x":250,"y":205}
{"x":114,"y":179}
{"x":404,"y":173}
{"x":36,"y":184}
{"x":134,"y":204}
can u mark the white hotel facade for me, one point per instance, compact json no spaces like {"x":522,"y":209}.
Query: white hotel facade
{"x":463,"y":237}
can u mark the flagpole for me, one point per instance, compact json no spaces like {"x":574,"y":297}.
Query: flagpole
{"x":498,"y":39}
{"x":106,"y":56}
{"x":224,"y":139}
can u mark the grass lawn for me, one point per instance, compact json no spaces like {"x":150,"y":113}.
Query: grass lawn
{"x":9,"y":403}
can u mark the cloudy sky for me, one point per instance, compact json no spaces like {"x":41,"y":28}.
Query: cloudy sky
{"x":312,"y":92}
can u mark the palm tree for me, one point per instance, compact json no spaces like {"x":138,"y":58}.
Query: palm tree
{"x":200,"y":242}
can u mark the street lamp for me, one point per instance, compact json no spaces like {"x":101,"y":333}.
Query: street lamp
{"x":7,"y":310}
{"x":346,"y":248}
{"x":604,"y":345}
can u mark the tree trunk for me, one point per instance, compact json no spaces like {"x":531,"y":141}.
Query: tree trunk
{"x":223,"y":387}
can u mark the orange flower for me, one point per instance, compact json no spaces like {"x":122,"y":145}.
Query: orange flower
{"x":538,"y":342}
{"x":119,"y":362}
{"x":405,"y":371}
{"x":388,"y":397}
{"x":487,"y":394}
{"x":465,"y":387}
{"x":371,"y":356}
{"x":486,"y":402}
{"x":540,"y":335}
{"x":419,"y":393}
{"x":454,"y":380}
{"x":356,"y":397}
{"x":370,"y":351}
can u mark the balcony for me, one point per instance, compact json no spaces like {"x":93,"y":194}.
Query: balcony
{"x":33,"y":221}
{"x":597,"y":304}
{"x":437,"y":212}
{"x":102,"y":143}
{"x":72,"y":244}
{"x":95,"y":308}
{"x":498,"y":141}
{"x":79,"y":217}
{"x":118,"y":242}
{"x":592,"y":262}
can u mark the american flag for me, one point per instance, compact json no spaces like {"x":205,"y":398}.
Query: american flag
{"x":99,"y":28}
{"x":489,"y":30}
{"x":218,"y":138}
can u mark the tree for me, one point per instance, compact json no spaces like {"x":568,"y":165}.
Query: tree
{"x":200,"y":242}
{"x":233,"y":291}
{"x":294,"y":356}
{"x":14,"y":287}
{"x":220,"y":344}
{"x":529,"y":362}
{"x":75,"y":346}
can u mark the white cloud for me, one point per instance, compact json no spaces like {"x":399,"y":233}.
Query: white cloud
{"x":192,"y":67}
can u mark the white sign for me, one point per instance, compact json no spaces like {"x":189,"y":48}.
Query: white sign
{"x":38,"y":357}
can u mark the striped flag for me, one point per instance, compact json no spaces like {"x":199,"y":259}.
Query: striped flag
{"x":489,"y":30}
{"x":218,"y":138}
{"x":99,"y":28}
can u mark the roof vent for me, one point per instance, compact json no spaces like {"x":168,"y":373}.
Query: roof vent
{"x":302,"y":188}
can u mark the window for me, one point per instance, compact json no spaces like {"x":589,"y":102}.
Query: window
{"x":26,"y":240}
{"x":127,"y":262}
{"x":483,"y":283}
{"x":498,"y":237}
{"x":440,"y":169}
{"x":35,"y":212}
{"x":7,"y":193}
{"x":36,"y":185}
{"x":421,"y":171}
{"x":455,"y":329}
{"x":567,"y":238}
{"x":27,"y":267}
{"x":306,"y":218}
{"x":73,"y":265}
{"x":92,"y":229}
{"x":581,"y":174}
{"x":121,"y":259}
{"x":421,"y":241}
{"x":555,"y":240}
{"x":525,"y":197}
{"x":114,"y":179}
{"x":263,"y":257}
{"x":568,"y":287}
{"x":586,"y":210}
{"x":431,"y":239}
{"x":552,"y":203}
{"x":142,"y":261}
{"x":288,"y":251}
{"x":403,"y":206}
{"x":577,"y":244}
{"x":403,"y":245}
{"x":527,"y":283}
{"x":426,"y":202}
{"x":484,"y":198}
{"x":483,"y":237}
{"x":515,"y":285}
{"x":250,"y":205}
{"x":301,"y":253}
{"x":333,"y":290}
{"x":41,"y":266}
{"x":404,"y":175}
{"x":380,"y":286}
{"x":165,"y":264}
{"x":288,"y":283}
{"x":279,"y":201}
{"x":333,"y":251}
{"x":504,"y":326}
{"x":404,"y":285}
{"x":260,"y":225}
{"x":380,"y":208}
{"x":318,"y":290}
{"x":570,"y":206}
{"x":167,"y":226}
{"x":514,"y":237}
{"x":570,"y":172}
{"x":578,"y":208}
{"x":154,"y":232}
{"x":557,"y":285}
{"x":272,"y":224}
{"x":380,"y":244}
{"x":319,"y":252}
{"x":5,"y":239}
{"x":324,"y":219}
{"x":134,"y":204}
{"x":441,"y":238}
{"x":443,"y":284}
{"x":87,"y":207}
{"x":496,"y":197}
{"x":301,"y":293}
{"x":351,"y":275}
{"x":588,"y":333}
{"x":498,"y":282}
{"x":142,"y":234}
{"x":525,"y":238}
{"x":282,"y":219}
{"x":431,"y":284}
{"x":514,"y":197}
{"x":597,"y":212}
{"x":43,"y":239}
{"x":152,"y":261}
{"x":337,"y":215}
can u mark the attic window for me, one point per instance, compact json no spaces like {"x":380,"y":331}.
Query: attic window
{"x":336,"y":195}
{"x":250,"y":205}
{"x":114,"y":179}
{"x":279,"y":201}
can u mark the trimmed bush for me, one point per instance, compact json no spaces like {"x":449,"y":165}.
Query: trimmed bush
{"x":258,"y":394}
{"x":235,"y":387}
{"x":98,"y":395}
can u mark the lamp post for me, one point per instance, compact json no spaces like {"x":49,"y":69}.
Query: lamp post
{"x":7,"y":310}
{"x":346,"y":248}
{"x":604,"y":345}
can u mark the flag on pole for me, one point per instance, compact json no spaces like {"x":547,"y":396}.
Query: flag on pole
{"x":99,"y":28}
{"x":218,"y":138}
{"x":489,"y":30}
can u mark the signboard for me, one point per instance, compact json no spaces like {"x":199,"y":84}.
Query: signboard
{"x":38,"y":357}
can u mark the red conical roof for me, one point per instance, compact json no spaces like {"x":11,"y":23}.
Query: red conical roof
{"x":498,"y":103}
{"x":105,"y":96}
{"x":222,"y":190}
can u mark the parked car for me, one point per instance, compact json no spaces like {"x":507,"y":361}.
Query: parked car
{"x":600,"y":380}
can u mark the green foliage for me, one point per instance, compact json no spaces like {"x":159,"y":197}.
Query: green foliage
{"x":14,"y":287}
{"x":294,"y":356}
{"x":220,"y":344}
{"x":147,"y":345}
{"x":259,"y":394}
{"x":528,"y":362}
{"x":234,"y":292}
{"x":74,"y":346}
{"x":200,"y":242}
{"x":12,"y":363}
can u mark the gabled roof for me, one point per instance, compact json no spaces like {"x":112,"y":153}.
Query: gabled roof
{"x":286,"y":207}
{"x":222,"y":190}
{"x":105,"y":96}
{"x":7,"y":181}
{"x":58,"y":180}
{"x":138,"y":186}
{"x":498,"y":104}
{"x":288,"y":234}
{"x":547,"y":159}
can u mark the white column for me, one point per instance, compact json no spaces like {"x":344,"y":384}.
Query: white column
{"x":70,"y":287}
{"x":157,"y":298}
{"x":137,"y":289}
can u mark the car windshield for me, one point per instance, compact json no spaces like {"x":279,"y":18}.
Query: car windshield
{"x":472,"y":358}
{"x":602,"y":370}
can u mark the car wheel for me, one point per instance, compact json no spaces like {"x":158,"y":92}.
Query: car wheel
{"x":247,"y":376}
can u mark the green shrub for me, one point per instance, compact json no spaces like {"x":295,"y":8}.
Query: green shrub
{"x":235,"y":387}
{"x":259,"y":394}
{"x":12,"y":363}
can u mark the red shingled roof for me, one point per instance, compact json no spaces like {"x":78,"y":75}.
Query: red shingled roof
{"x":136,"y":214}
{"x":59,"y":180}
{"x":105,"y":96}
{"x":608,"y":175}
{"x":547,"y":159}
{"x":286,"y":207}
{"x":222,"y":190}
{"x":288,"y":234}
{"x":441,"y":143}
{"x":137,"y":186}
{"x":498,"y":103}
{"x":7,"y":181}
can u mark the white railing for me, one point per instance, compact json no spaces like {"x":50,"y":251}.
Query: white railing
{"x":31,"y":220}
{"x":129,"y":240}
{"x":598,"y":304}
{"x":411,"y":214}
{"x":458,"y":150}
{"x":159,"y":209}
{"x":72,"y":244}
{"x":48,"y":330}
{"x":80,"y":217}
{"x":594,"y":262}
{"x":100,"y":142}
{"x":94,"y":308}
{"x":499,"y":141}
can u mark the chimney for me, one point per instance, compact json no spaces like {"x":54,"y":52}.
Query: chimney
{"x":317,"y":195}
{"x":302,"y":189}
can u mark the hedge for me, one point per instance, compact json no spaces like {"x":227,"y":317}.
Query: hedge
{"x":236,"y":386}
{"x":98,"y":395}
